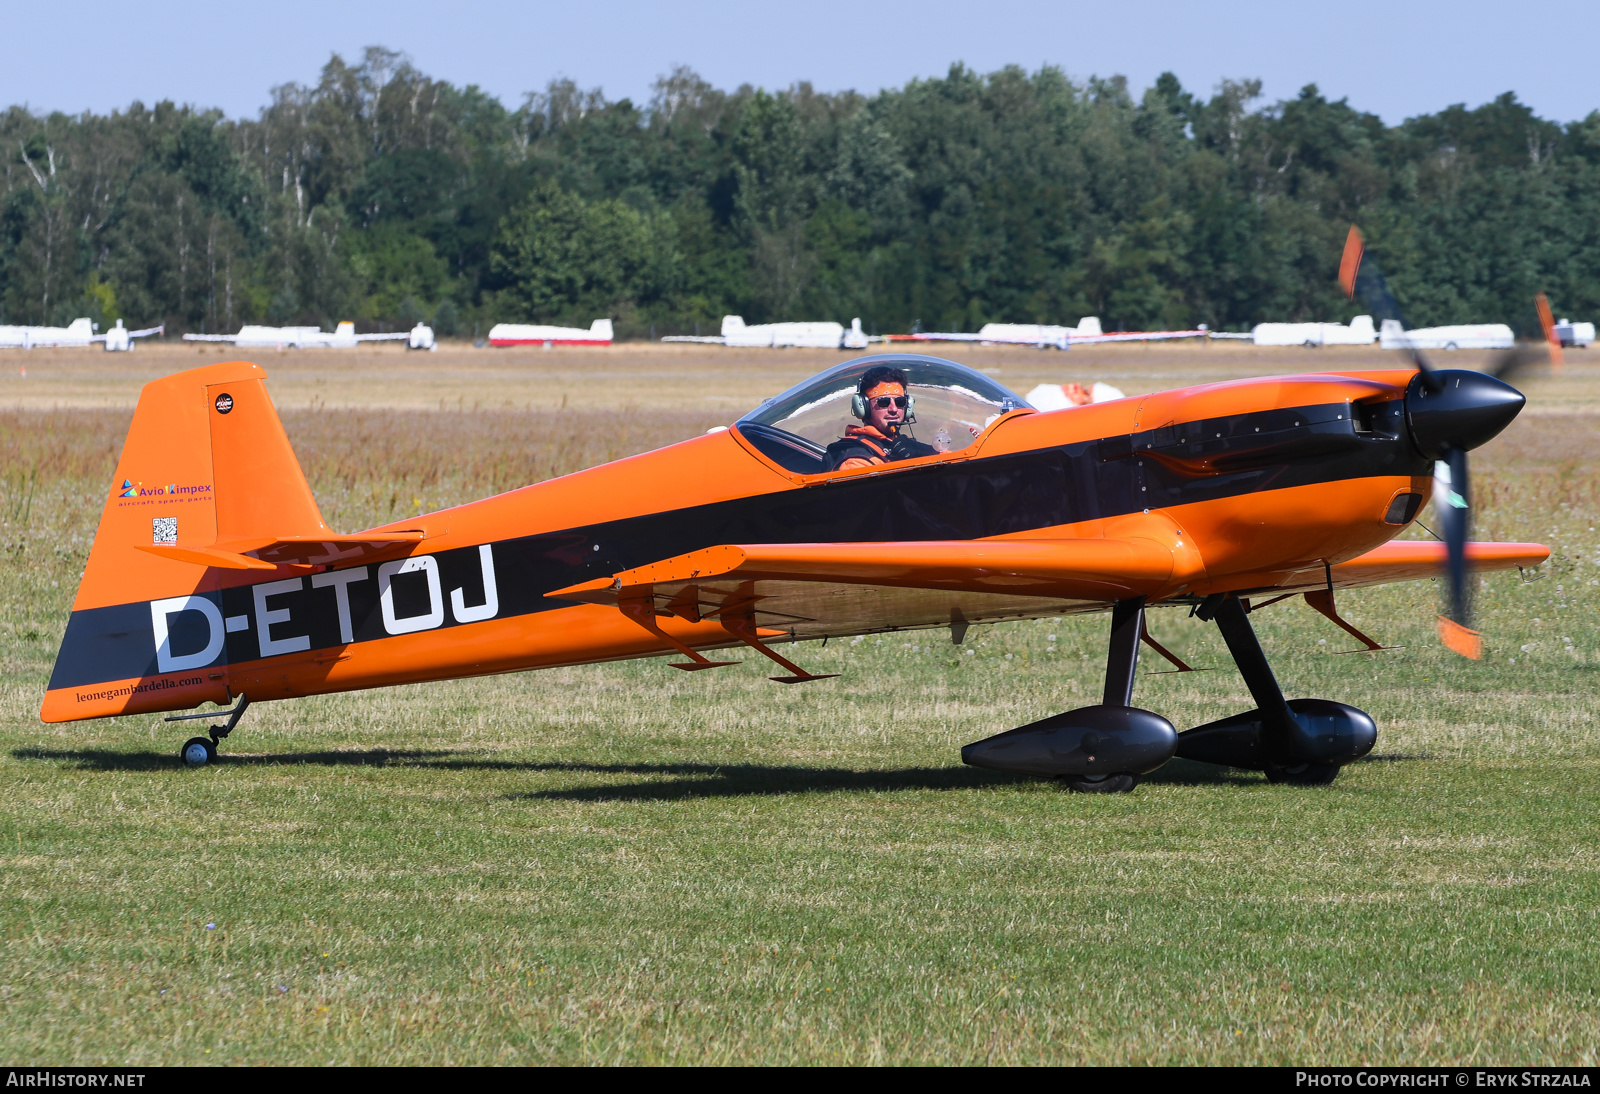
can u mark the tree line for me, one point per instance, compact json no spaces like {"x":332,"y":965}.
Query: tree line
{"x":382,"y":195}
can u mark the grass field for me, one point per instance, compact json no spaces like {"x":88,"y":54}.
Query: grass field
{"x":625,"y":864}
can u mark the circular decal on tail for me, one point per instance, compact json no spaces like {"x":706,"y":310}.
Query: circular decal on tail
{"x":224,"y":403}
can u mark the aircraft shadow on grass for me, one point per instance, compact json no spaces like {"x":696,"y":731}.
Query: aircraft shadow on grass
{"x":686,"y":780}
{"x":104,"y":759}
{"x":739,"y":780}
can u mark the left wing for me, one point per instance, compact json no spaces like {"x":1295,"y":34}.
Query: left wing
{"x":1414,"y":559}
{"x":819,"y":589}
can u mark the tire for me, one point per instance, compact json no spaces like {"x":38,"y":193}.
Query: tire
{"x":198,"y":752}
{"x":1100,"y":784}
{"x":1302,"y":774}
{"x":1451,"y":347}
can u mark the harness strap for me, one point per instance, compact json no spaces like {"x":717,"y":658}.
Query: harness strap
{"x":882,"y":453}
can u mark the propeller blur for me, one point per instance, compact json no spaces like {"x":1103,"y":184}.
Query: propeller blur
{"x":1449,"y":412}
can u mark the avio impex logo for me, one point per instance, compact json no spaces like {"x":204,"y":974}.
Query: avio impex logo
{"x":133,"y":489}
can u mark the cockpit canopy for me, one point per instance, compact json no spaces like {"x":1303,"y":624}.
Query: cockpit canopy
{"x":954,"y":405}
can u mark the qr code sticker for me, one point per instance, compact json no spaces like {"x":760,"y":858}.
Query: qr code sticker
{"x":164,"y":530}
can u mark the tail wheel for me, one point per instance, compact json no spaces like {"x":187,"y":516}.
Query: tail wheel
{"x":1302,"y":774}
{"x":1101,"y":784}
{"x":197,"y":752}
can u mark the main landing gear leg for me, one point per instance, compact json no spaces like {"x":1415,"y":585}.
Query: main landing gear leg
{"x":1122,"y":659}
{"x":1301,"y":741}
{"x":199,"y":751}
{"x":1101,"y":749}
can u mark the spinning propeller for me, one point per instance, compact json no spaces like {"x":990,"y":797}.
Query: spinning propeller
{"x":1449,"y":412}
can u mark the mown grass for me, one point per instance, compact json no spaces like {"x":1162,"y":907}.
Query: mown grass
{"x":623,"y":863}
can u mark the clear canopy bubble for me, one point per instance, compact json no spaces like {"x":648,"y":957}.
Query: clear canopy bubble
{"x":953,"y":406}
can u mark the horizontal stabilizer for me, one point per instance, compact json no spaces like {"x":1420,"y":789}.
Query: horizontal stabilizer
{"x":205,"y":556}
{"x":267,"y":553}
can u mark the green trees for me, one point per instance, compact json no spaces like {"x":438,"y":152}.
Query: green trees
{"x":560,"y":258}
{"x":382,"y":195}
{"x":147,"y":214}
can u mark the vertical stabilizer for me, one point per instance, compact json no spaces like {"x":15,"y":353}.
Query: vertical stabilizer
{"x":206,"y":462}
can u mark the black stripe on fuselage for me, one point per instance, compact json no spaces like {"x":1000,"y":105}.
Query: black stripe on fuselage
{"x":1154,"y":469}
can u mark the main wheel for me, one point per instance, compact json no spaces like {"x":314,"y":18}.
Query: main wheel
{"x":1101,"y":784}
{"x":1302,"y":774}
{"x":197,"y":752}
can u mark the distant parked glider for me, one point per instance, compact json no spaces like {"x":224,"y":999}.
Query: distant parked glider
{"x":781,"y":335}
{"x":81,"y":332}
{"x":1043,"y":335}
{"x":1393,"y":335}
{"x":343,"y":337}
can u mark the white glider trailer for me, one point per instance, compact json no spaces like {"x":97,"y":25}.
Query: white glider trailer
{"x":1359,"y":333}
{"x":534,"y":334}
{"x":1578,"y":335}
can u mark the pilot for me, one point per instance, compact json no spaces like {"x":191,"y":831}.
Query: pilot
{"x":884,"y":407}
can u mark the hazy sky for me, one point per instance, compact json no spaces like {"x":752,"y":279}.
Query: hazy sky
{"x":1396,"y":58}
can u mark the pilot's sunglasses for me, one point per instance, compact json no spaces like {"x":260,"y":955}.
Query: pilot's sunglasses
{"x":882,"y":401}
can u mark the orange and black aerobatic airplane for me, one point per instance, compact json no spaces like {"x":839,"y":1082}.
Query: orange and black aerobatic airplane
{"x":213,"y":578}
